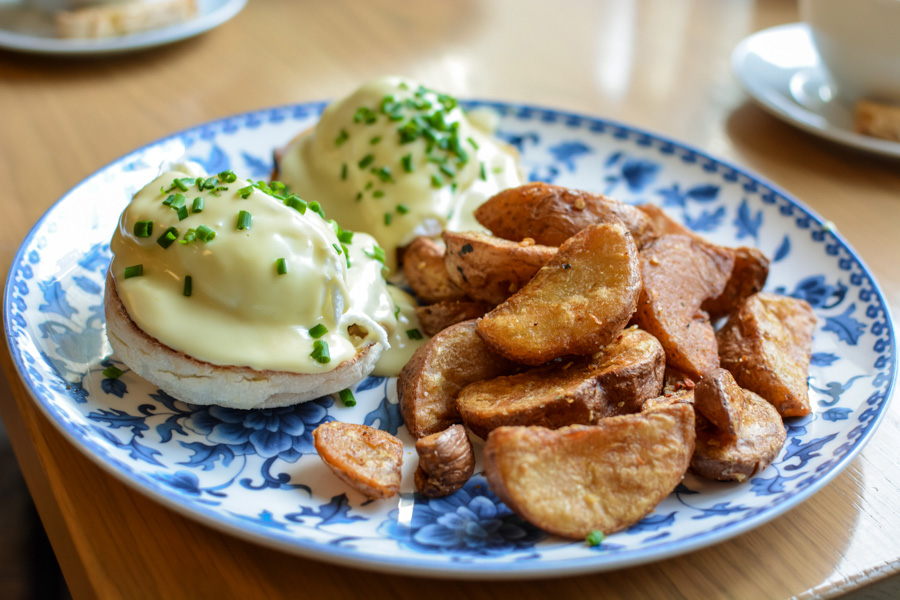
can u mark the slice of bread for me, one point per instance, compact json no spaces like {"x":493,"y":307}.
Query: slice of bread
{"x":123,"y":18}
{"x":198,"y":382}
{"x":878,"y":119}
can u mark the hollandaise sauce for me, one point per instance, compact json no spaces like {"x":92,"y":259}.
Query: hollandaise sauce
{"x":233,"y":272}
{"x":397,"y":160}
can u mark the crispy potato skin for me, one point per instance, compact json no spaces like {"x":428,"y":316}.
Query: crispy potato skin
{"x":367,"y":459}
{"x":446,"y":462}
{"x":489,"y":268}
{"x":615,"y":381}
{"x":679,"y":273}
{"x":550,"y":214}
{"x":428,"y":384}
{"x":583,"y":478}
{"x":662,"y":224}
{"x":423,"y":265}
{"x":719,"y":398}
{"x":718,"y":455}
{"x":767,"y":344}
{"x":748,"y":277}
{"x":577,"y":303}
{"x":440,"y":315}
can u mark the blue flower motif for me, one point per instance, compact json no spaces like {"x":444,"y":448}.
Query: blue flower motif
{"x":285,"y":433}
{"x":471,"y":522}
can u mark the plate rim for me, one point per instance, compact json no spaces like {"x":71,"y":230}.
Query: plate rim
{"x":176,"y":32}
{"x":480,"y":570}
{"x":793,"y":112}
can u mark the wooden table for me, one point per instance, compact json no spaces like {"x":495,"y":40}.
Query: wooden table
{"x":662,"y":65}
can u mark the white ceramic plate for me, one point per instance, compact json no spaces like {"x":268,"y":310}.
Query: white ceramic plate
{"x":255,"y":474}
{"x":25,"y":30}
{"x":780,"y":69}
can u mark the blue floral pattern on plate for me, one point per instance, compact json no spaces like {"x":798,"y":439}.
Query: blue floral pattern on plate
{"x":254,"y":473}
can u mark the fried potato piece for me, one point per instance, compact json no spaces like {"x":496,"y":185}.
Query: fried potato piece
{"x":423,"y":265}
{"x":550,"y":214}
{"x":489,"y":268}
{"x":583,"y":478}
{"x":367,"y":459}
{"x":437,"y":317}
{"x":679,"y":273}
{"x":662,"y":224}
{"x":428,"y":384}
{"x":446,"y":462}
{"x":720,"y":399}
{"x":767,"y":344}
{"x":577,"y":303}
{"x":761,"y":436}
{"x":748,"y":276}
{"x":683,"y":396}
{"x":614,"y":381}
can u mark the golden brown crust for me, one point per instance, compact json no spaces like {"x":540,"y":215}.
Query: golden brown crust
{"x":577,"y":303}
{"x":550,"y":214}
{"x":367,"y":459}
{"x":428,"y":384}
{"x":426,"y":273}
{"x":489,"y":268}
{"x":434,"y":318}
{"x":615,"y":381}
{"x":446,"y":462}
{"x":748,"y":277}
{"x":197,"y":382}
{"x":767,"y":345}
{"x":583,"y":478}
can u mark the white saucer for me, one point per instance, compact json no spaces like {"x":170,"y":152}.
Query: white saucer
{"x":26,"y":30}
{"x":780,"y":69}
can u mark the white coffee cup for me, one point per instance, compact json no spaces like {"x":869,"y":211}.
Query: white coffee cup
{"x":858,"y":42}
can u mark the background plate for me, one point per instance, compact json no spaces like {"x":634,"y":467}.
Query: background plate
{"x":255,"y":473}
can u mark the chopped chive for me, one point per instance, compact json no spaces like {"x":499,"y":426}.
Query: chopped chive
{"x":406,"y":161}
{"x":197,"y":205}
{"x":281,"y":266}
{"x":320,"y":352}
{"x":318,"y":331}
{"x":205,"y":234}
{"x":377,"y":253}
{"x":227,"y":177}
{"x":436,"y":182}
{"x":345,"y":237}
{"x":367,"y":160}
{"x":378,"y":194}
{"x":182,"y":184}
{"x":206,"y":184}
{"x":134,"y":271}
{"x":344,"y":171}
{"x":167,"y":238}
{"x":217,"y":191}
{"x":188,"y":285}
{"x":497,"y":170}
{"x":337,"y":248}
{"x":447,"y":171}
{"x":341,"y":138}
{"x":243,"y":220}
{"x":346,"y":254}
{"x":369,"y":186}
{"x":347,"y":398}
{"x":296,"y":203}
{"x":112,"y":372}
{"x":384,"y":174}
{"x":375,"y":140}
{"x":168,"y":200}
{"x":402,"y":209}
{"x":277,"y":186}
{"x":594,"y":538}
{"x":473,"y":142}
{"x":317,"y":208}
{"x":188,"y":237}
{"x":358,"y":196}
{"x":387,"y":218}
{"x":414,"y":334}
{"x":483,"y":174}
{"x":245,"y":192}
{"x":182,"y":213}
{"x":143,"y":228}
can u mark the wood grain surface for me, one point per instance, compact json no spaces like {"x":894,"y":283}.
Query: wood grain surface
{"x":662,"y":65}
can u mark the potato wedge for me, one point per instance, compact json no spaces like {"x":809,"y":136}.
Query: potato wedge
{"x":767,"y":344}
{"x":550,"y":214}
{"x":719,"y":398}
{"x":662,"y":224}
{"x":428,"y":384}
{"x":367,"y":459}
{"x":748,"y":276}
{"x":446,"y":462}
{"x":437,"y":317}
{"x":579,"y":302}
{"x":489,"y":268}
{"x":583,"y":478}
{"x":423,"y":265}
{"x":679,"y":273}
{"x":614,"y":381}
{"x":683,"y":396}
{"x":761,"y":436}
